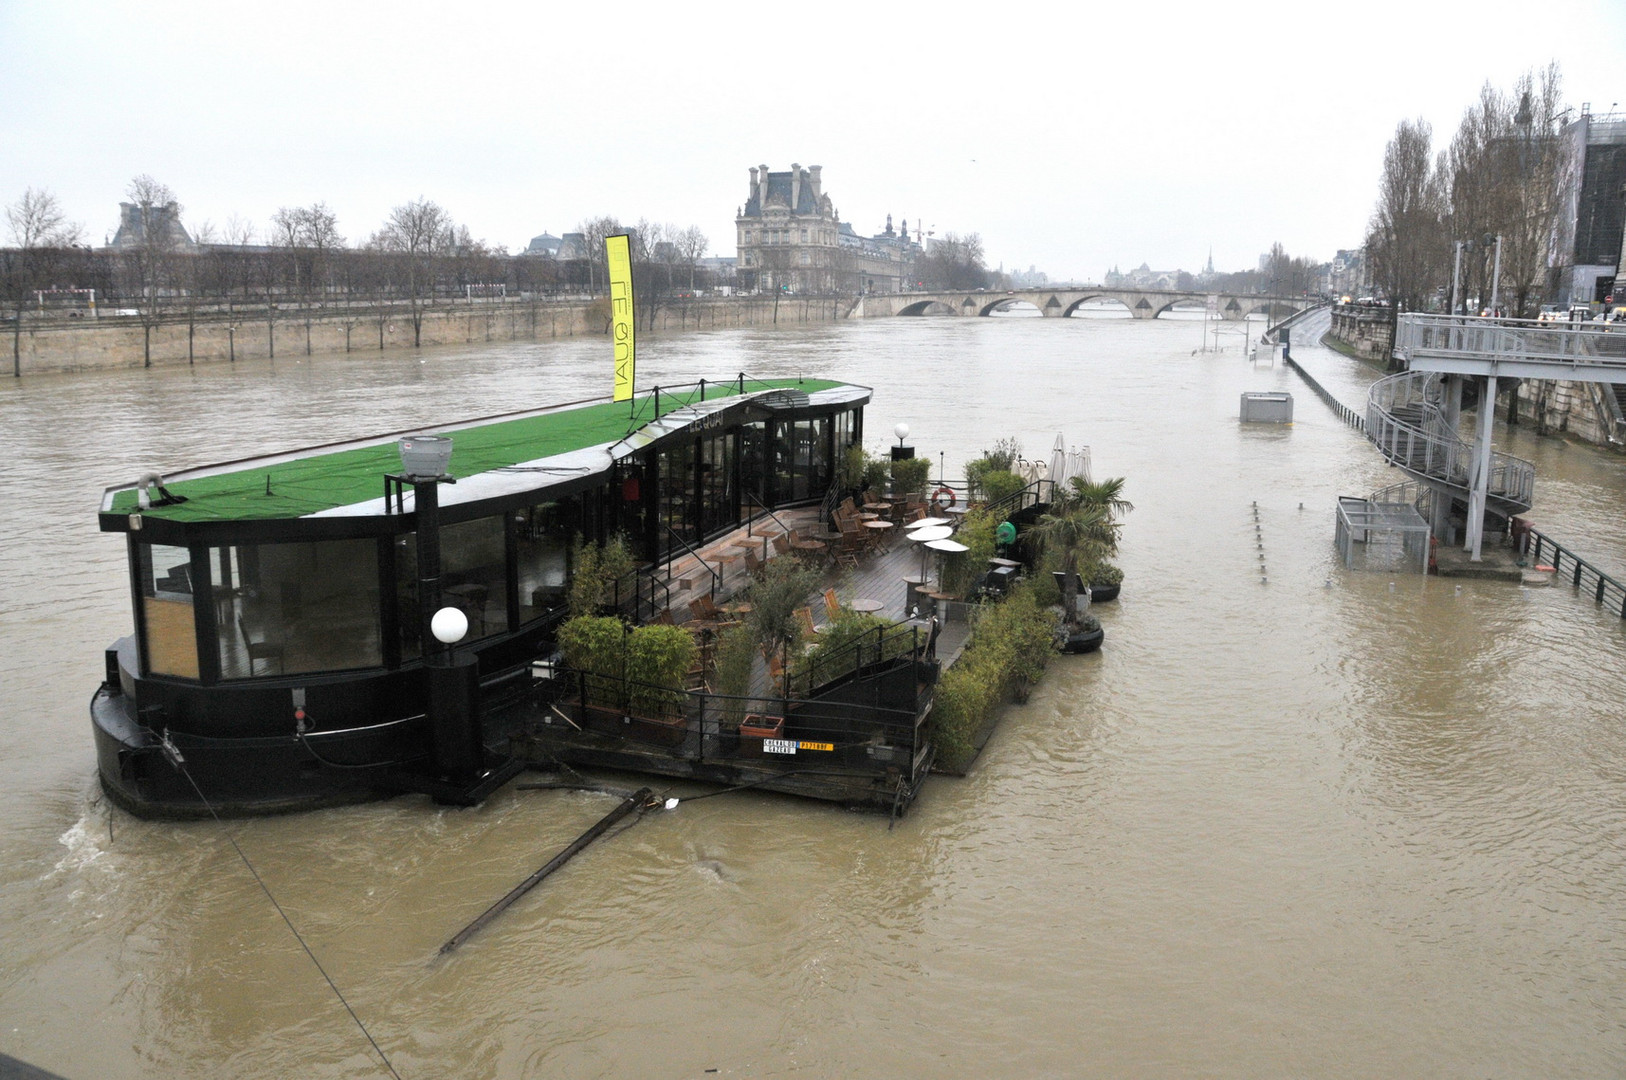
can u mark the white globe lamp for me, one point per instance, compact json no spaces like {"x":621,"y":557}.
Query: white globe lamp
{"x":901,"y":430}
{"x":449,"y":625}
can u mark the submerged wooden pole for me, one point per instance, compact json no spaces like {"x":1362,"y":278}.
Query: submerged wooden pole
{"x":628,"y":805}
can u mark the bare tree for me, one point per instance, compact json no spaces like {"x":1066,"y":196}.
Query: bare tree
{"x":593,"y":233}
{"x":419,"y":232}
{"x":41,"y":232}
{"x":953,"y":262}
{"x":147,"y":259}
{"x":1406,"y":239}
{"x":691,"y":246}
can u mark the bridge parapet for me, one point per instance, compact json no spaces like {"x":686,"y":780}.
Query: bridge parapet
{"x":1060,"y":303}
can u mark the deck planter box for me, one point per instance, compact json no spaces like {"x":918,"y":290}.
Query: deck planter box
{"x":755,"y":728}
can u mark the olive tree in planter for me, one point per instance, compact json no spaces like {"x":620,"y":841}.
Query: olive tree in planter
{"x":784,"y":586}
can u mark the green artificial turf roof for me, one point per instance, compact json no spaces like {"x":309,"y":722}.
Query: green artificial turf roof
{"x":307,"y":485}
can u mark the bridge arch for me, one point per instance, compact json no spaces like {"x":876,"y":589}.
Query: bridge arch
{"x":1115,"y":303}
{"x":929,"y":307}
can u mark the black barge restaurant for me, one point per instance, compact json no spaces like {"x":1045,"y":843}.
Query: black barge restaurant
{"x":281,"y":656}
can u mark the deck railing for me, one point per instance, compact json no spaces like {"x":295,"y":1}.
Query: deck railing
{"x":788,"y":733}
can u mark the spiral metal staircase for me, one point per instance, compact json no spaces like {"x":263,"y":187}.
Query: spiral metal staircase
{"x":1407,"y":418}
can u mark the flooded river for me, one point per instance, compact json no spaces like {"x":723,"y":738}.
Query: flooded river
{"x":1319,"y":824}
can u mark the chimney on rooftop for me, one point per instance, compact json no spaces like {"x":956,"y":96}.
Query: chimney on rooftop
{"x":813,"y":178}
{"x":795,"y":186}
{"x":762,"y":187}
{"x":753,"y":182}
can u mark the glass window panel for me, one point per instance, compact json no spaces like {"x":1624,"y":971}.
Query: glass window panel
{"x":543,"y":555}
{"x":171,"y":638}
{"x":291,"y":608}
{"x":474,"y":574}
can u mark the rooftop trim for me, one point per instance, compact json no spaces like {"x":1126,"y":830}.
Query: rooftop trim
{"x":320,"y":479}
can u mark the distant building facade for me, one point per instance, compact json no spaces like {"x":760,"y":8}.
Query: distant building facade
{"x":165,"y":222}
{"x":1592,"y":224}
{"x":789,"y":238}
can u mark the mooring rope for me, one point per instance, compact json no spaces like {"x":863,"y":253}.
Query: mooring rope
{"x":179,"y":762}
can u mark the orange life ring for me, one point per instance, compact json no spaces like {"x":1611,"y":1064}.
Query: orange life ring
{"x":943,"y":499}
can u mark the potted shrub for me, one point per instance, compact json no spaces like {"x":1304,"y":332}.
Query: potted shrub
{"x":658,"y":659}
{"x":909,"y":476}
{"x":757,"y":727}
{"x":596,"y":646}
{"x":1076,"y":534}
{"x":1104,"y":580}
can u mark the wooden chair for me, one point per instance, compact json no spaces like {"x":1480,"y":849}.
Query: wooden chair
{"x":781,"y":544}
{"x":832,"y":606}
{"x":704,"y":607}
{"x":804,"y":617}
{"x":753,"y":562}
{"x":259,"y":650}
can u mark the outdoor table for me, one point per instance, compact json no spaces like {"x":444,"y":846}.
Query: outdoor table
{"x":927,"y":522}
{"x":878,"y":531}
{"x":1004,"y":562}
{"x":930,"y":532}
{"x":870,"y":606}
{"x":879,"y":507}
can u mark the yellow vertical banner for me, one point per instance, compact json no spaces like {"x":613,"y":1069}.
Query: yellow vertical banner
{"x":618,"y":257}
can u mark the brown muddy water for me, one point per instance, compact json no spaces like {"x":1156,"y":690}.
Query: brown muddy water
{"x":1333,"y":825}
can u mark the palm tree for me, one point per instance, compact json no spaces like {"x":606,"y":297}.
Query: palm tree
{"x":1076,"y":533}
{"x":1107,"y":494}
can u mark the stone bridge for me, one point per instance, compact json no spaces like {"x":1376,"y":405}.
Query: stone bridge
{"x":1060,"y":303}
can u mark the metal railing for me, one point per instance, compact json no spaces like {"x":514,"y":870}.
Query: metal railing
{"x":638,"y":596}
{"x":716,"y":575}
{"x":768,"y":731}
{"x":1534,"y":544}
{"x":766,"y":509}
{"x":1597,"y":345}
{"x":882,"y":644}
{"x":1345,"y":413}
{"x":1404,"y":420}
{"x":1037,"y":493}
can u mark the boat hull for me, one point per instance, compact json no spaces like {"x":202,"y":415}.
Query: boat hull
{"x":239,"y":776}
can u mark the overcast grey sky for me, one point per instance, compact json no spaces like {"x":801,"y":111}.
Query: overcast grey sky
{"x":1071,"y":136}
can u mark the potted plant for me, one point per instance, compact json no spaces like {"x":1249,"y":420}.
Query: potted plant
{"x":596,"y":647}
{"x":909,"y":476}
{"x":1104,"y":580}
{"x":658,"y":658}
{"x":757,"y":727}
{"x":1076,"y":534}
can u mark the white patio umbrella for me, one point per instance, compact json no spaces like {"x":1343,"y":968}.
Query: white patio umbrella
{"x":1078,"y":462}
{"x":923,"y":536}
{"x":1058,"y":461}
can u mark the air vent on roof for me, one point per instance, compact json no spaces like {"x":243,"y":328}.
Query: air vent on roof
{"x":785,"y":399}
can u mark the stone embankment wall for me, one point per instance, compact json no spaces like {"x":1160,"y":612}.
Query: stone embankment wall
{"x":1365,"y":331}
{"x":122,"y":341}
{"x":1587,"y":412}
